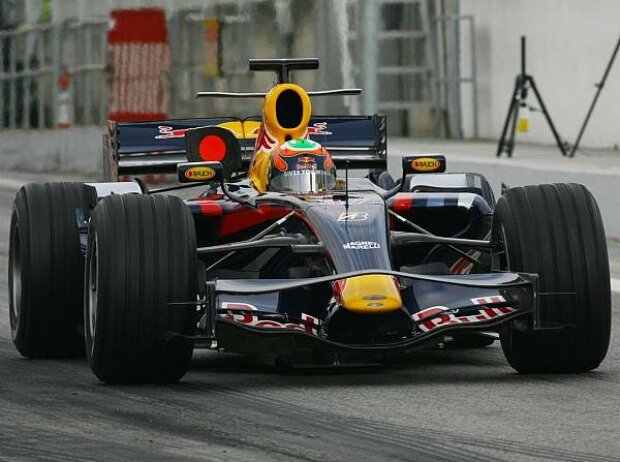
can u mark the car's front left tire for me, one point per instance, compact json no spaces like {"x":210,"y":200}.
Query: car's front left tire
{"x":141,"y":256}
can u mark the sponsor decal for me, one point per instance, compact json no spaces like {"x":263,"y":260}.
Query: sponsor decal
{"x":236,"y":306}
{"x":305,"y":167}
{"x":200,"y":173}
{"x":428,"y":313}
{"x":353,"y":216}
{"x":318,"y":128}
{"x":361,"y":245}
{"x":306,"y":163}
{"x":306,"y":159}
{"x":167,"y":132}
{"x":489,"y":299}
{"x":440,"y":316}
{"x":425,"y":164}
{"x":249,"y":130}
{"x":311,"y":324}
{"x":234,"y":312}
{"x":241,"y":312}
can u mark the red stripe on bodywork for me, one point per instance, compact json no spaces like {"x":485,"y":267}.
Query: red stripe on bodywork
{"x":402,"y":203}
{"x":210,"y":209}
{"x":243,"y":218}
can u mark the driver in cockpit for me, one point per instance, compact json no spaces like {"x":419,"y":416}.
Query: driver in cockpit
{"x":301,"y":166}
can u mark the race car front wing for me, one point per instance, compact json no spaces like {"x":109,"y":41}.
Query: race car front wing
{"x":434,"y":306}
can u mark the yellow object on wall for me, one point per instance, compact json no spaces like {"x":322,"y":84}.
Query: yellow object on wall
{"x":523,"y":122}
{"x":212,"y":47}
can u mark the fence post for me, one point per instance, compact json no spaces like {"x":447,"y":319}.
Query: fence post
{"x":86,"y":73}
{"x":175,"y":30}
{"x":26,"y":77}
{"x":2,"y":80}
{"x":370,"y":54}
{"x":13,"y":82}
{"x":55,"y":58}
{"x":103,"y":96}
{"x":40,"y":79}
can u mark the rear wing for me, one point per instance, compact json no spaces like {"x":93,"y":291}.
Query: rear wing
{"x":135,"y":148}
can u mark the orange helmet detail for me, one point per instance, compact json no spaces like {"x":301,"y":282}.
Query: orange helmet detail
{"x":301,"y":166}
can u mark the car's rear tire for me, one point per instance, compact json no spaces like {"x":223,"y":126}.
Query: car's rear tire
{"x":46,"y":270}
{"x":141,"y":256}
{"x":556,"y":230}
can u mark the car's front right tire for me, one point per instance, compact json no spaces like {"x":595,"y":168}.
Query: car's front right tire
{"x":556,"y":231}
{"x":141,"y":256}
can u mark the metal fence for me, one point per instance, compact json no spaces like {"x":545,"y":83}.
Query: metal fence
{"x":393,"y":49}
{"x":33,"y":60}
{"x":26,"y":73}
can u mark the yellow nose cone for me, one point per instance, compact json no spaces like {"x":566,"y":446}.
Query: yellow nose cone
{"x":373,"y":293}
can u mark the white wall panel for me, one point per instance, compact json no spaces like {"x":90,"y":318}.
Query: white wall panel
{"x":569,"y":45}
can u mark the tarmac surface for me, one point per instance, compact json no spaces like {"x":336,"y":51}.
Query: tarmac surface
{"x":438,"y":405}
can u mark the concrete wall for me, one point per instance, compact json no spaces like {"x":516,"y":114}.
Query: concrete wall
{"x":569,"y":45}
{"x":70,"y":150}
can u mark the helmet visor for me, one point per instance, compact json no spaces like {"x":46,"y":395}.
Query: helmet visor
{"x":303,"y":181}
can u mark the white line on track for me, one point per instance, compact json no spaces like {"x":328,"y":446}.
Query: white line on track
{"x":9,"y":183}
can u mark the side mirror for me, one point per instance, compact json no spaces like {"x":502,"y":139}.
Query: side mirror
{"x":214,"y":144}
{"x":209,"y":172}
{"x":426,"y":163}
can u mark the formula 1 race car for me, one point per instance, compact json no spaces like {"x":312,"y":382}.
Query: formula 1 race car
{"x":279,"y":258}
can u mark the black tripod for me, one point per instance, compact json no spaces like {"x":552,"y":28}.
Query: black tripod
{"x":519,"y":95}
{"x":599,"y":88}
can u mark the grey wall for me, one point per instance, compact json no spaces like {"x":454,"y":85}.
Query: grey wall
{"x":69,"y":150}
{"x":569,"y":43}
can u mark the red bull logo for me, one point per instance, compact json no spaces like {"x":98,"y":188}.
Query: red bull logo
{"x":318,"y":128}
{"x":167,"y":132}
{"x":248,"y":129}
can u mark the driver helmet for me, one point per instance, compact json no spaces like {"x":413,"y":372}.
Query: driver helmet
{"x":301,"y":166}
